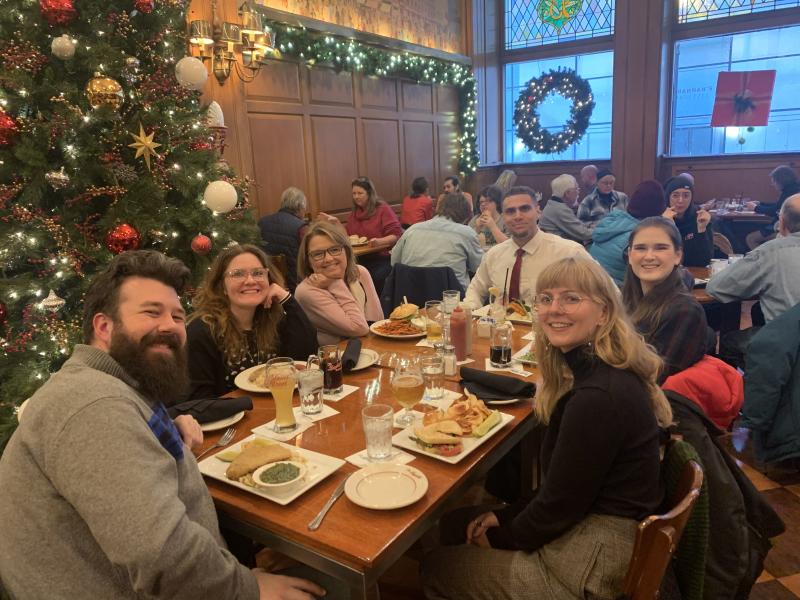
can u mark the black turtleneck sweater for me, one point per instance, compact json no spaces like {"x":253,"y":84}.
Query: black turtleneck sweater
{"x":698,"y":248}
{"x":600,"y":454}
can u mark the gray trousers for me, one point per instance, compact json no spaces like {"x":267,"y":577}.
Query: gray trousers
{"x":589,"y":561}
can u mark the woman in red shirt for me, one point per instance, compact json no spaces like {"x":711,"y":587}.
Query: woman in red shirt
{"x":418,"y":206}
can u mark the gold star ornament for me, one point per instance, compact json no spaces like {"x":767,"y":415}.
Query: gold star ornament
{"x":144,"y":145}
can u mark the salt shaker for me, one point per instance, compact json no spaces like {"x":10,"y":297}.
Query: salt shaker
{"x":449,"y":356}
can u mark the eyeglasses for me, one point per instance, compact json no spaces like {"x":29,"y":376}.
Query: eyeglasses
{"x":241,"y":274}
{"x":569,"y":301}
{"x":512,"y":210}
{"x":319,"y":255}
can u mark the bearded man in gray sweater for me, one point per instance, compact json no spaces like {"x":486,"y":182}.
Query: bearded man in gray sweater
{"x":100,"y":496}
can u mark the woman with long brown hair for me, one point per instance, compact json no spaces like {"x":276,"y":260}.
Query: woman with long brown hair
{"x":243,"y":317}
{"x":600,"y":456}
{"x":659,"y":303}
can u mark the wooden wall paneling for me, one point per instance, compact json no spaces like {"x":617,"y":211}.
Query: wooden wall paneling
{"x":378,"y":93}
{"x":418,"y":152}
{"x":335,"y":154}
{"x":447,"y":154}
{"x":327,"y":87}
{"x":446,"y":100}
{"x":278,"y":81}
{"x":382,"y":151}
{"x":417,"y":97}
{"x":278,"y":156}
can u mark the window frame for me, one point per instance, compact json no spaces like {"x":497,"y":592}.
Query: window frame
{"x":592,"y":45}
{"x":713,"y":28}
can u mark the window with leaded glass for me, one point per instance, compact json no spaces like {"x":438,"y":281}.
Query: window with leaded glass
{"x":530,"y":23}
{"x":703,"y":10}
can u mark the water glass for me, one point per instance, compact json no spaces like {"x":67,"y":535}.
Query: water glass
{"x":500,"y":345}
{"x":450,"y":299}
{"x":377,"y":421}
{"x":309,"y":383}
{"x":433,"y":376}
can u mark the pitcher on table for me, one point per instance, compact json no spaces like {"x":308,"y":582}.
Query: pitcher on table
{"x":329,"y":359}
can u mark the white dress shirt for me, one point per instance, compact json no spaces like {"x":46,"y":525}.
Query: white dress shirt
{"x":542,"y":250}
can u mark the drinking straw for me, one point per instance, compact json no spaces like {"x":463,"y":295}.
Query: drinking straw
{"x":505,"y":287}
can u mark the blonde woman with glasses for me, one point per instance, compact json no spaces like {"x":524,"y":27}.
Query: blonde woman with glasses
{"x":600,"y":456}
{"x":243,"y":317}
{"x":338,"y":295}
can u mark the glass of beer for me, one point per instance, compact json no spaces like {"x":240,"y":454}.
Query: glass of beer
{"x":433,"y":321}
{"x":281,"y":379}
{"x":408,"y":387}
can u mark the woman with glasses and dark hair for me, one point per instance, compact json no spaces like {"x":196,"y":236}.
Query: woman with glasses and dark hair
{"x":243,"y":317}
{"x":337,"y":294}
{"x":600,"y":457}
{"x":658,"y":301}
{"x":489,"y":224}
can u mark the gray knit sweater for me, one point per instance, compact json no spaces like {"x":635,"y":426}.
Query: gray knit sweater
{"x":92,"y":506}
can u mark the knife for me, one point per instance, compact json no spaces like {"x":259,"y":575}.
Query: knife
{"x":317,"y":521}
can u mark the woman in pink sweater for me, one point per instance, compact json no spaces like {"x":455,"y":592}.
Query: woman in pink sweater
{"x":336,"y":294}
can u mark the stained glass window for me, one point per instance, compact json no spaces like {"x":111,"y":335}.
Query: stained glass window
{"x":697,"y":63}
{"x":702,"y":10}
{"x":598,"y":70}
{"x":538,"y":22}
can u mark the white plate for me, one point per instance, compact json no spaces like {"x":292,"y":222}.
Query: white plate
{"x":520,"y":353}
{"x":243,"y":382}
{"x":384,"y":487}
{"x":222,"y":423}
{"x":402,"y":440}
{"x":483,"y":311}
{"x":356,"y":245}
{"x":412,"y":336}
{"x":367,"y":358}
{"x":319,"y":467}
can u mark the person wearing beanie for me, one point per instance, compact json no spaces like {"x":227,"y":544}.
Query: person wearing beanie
{"x":694,"y":224}
{"x":558,"y":214}
{"x":603,"y":199}
{"x":610,"y":237}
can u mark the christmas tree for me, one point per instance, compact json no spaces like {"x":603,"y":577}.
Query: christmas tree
{"x":102,"y":150}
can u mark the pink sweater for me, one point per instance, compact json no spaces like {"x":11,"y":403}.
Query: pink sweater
{"x":334,"y":311}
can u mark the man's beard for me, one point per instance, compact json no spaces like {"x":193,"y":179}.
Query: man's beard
{"x":161,"y":377}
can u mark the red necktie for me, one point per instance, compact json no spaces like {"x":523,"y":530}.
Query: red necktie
{"x":513,"y":286}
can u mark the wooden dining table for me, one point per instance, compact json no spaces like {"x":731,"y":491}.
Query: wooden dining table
{"x":362,"y":249}
{"x":355,"y":544}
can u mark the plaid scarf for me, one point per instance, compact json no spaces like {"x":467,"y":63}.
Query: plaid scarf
{"x":166,"y":432}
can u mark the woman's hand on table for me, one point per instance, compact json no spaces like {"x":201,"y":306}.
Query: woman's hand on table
{"x":281,"y":587}
{"x":190,"y":431}
{"x":477,"y":528}
{"x":275,"y":293}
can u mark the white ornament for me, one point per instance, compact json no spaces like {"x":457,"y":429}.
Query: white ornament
{"x":220,"y":196}
{"x":214,"y":116}
{"x":63,"y":47}
{"x":191,"y":73}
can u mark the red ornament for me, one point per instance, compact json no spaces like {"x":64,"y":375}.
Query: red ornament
{"x":58,"y":12}
{"x":201,"y":244}
{"x":123,"y":237}
{"x":200,"y":145}
{"x":3,"y":314}
{"x":8,"y":129}
{"x":143,"y":6}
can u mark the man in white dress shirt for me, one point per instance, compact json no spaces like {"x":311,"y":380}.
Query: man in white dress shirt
{"x":523,"y":255}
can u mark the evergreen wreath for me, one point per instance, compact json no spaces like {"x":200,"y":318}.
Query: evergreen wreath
{"x":566,"y":83}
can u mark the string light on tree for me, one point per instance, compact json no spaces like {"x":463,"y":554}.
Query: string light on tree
{"x":566,"y":83}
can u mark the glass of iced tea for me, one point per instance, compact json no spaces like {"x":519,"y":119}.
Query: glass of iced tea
{"x":433,"y":321}
{"x":408,"y":387}
{"x":281,"y":379}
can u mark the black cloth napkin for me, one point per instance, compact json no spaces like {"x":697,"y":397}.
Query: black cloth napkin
{"x":351,"y":354}
{"x":208,"y":410}
{"x":488,"y":386}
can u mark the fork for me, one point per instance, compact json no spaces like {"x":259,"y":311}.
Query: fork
{"x":223,"y":441}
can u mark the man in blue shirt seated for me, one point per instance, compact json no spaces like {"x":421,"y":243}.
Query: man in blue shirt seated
{"x":444,"y":241}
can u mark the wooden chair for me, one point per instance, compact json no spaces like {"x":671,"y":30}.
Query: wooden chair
{"x":723,"y":244}
{"x":658,"y":536}
{"x":279,"y":262}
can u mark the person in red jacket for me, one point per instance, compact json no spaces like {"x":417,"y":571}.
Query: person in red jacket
{"x":418,"y":206}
